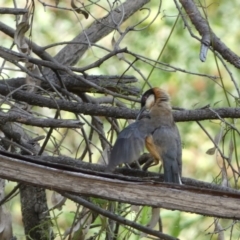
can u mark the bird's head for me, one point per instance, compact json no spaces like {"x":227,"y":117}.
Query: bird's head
{"x":151,"y":97}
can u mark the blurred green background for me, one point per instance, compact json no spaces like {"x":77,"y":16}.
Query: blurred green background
{"x":166,"y":40}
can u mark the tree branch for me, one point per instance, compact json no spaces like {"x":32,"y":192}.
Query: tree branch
{"x":170,"y":196}
{"x":118,"y":84}
{"x":39,"y":122}
{"x":117,"y":112}
{"x":204,"y":30}
{"x":71,"y":53}
{"x":14,"y":11}
{"x":117,"y":218}
{"x":124,"y":174}
{"x":13,"y":56}
{"x":39,"y":51}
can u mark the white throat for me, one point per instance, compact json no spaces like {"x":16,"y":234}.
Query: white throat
{"x":150,"y":101}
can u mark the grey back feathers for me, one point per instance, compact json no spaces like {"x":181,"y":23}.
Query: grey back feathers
{"x":161,"y":128}
{"x":167,"y":140}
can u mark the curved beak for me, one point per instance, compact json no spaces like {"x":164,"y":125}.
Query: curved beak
{"x":140,"y":112}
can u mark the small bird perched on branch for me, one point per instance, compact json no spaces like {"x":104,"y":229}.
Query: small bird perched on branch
{"x":158,"y":133}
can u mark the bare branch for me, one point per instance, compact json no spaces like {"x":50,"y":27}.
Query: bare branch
{"x":207,"y":34}
{"x":39,"y":122}
{"x":70,"y":54}
{"x":117,"y":218}
{"x":14,"y":11}
{"x":118,"y":84}
{"x":13,"y":57}
{"x":202,"y":201}
{"x":117,"y":112}
{"x":36,"y":49}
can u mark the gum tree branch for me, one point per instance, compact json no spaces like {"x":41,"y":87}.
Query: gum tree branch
{"x":14,"y":11}
{"x":100,"y":28}
{"x":170,"y":196}
{"x":118,"y":218}
{"x":118,"y":84}
{"x":116,"y":112}
{"x":13,"y":57}
{"x":207,"y":33}
{"x":39,"y":122}
{"x":71,"y":53}
{"x":123,"y":174}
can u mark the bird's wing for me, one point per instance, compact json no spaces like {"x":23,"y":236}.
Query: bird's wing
{"x":167,"y":141}
{"x":128,"y":146}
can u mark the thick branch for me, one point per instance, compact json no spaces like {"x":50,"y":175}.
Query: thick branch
{"x":114,"y":83}
{"x":85,"y":108}
{"x":125,"y":174}
{"x":39,"y":122}
{"x":70,"y":54}
{"x":14,"y":11}
{"x":169,"y":196}
{"x":204,"y":29}
{"x":117,"y":112}
{"x":13,"y":56}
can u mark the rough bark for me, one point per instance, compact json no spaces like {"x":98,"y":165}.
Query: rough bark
{"x":35,"y":214}
{"x":223,"y":204}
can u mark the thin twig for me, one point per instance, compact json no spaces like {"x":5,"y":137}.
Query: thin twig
{"x":117,"y":218}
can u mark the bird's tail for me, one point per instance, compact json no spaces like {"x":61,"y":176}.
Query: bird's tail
{"x":171,"y":172}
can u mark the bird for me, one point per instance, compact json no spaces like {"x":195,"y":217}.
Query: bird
{"x":157,"y":132}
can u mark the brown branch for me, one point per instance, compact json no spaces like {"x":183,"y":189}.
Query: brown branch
{"x":75,"y":107}
{"x":13,"y":57}
{"x":71,"y":53}
{"x":206,"y":114}
{"x":116,"y":84}
{"x":123,"y":174}
{"x":39,"y":122}
{"x":117,"y":218}
{"x":100,"y":28}
{"x":170,"y":196}
{"x":117,"y":112}
{"x":100,"y":61}
{"x":39,"y":51}
{"x":205,"y":31}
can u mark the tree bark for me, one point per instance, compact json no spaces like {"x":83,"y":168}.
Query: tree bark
{"x":222,"y":204}
{"x":35,"y":214}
